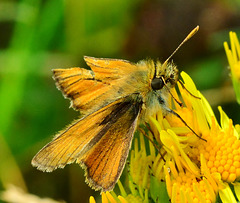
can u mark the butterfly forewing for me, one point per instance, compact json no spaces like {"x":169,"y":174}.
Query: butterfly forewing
{"x":112,"y":126}
{"x":69,"y":144}
{"x":104,"y":162}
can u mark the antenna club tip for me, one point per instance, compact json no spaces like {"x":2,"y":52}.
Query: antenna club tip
{"x":193,"y":32}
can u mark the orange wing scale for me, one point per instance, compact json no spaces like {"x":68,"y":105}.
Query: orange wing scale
{"x":108,"y":69}
{"x":112,"y":126}
{"x":105,"y":161}
{"x":80,"y":86}
{"x":91,"y":90}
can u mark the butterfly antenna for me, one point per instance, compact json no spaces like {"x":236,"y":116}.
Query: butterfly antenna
{"x":193,"y":32}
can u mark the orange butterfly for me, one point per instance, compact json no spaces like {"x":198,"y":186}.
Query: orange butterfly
{"x":114,"y":97}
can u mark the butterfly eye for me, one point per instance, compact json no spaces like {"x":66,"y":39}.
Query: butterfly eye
{"x":157,"y":83}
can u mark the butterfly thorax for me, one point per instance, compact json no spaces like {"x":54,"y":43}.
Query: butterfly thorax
{"x":161,"y":78}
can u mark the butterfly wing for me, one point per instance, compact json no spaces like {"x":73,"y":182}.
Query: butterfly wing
{"x":105,"y":161}
{"x":80,"y":86}
{"x":109,"y":69}
{"x":91,"y":90}
{"x":100,"y":142}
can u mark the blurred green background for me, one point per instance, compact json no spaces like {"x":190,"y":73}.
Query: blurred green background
{"x":39,"y":35}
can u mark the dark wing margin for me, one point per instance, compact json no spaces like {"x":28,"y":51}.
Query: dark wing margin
{"x":100,"y":142}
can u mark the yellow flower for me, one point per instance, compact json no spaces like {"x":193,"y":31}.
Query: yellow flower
{"x":174,"y":163}
{"x":107,"y":197}
{"x":193,"y":162}
{"x":233,"y":56}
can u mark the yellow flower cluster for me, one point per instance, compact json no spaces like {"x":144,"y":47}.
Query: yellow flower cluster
{"x":195,"y":169}
{"x":192,"y":169}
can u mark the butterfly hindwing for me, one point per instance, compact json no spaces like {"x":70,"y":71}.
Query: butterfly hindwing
{"x":90,"y":90}
{"x":109,"y":69}
{"x":80,"y":86}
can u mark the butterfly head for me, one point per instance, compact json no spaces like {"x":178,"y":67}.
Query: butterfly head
{"x":165,"y":74}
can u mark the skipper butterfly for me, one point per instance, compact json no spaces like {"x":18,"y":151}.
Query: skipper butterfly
{"x":113,"y":97}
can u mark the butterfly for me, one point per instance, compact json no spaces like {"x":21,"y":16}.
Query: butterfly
{"x":114,"y":97}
